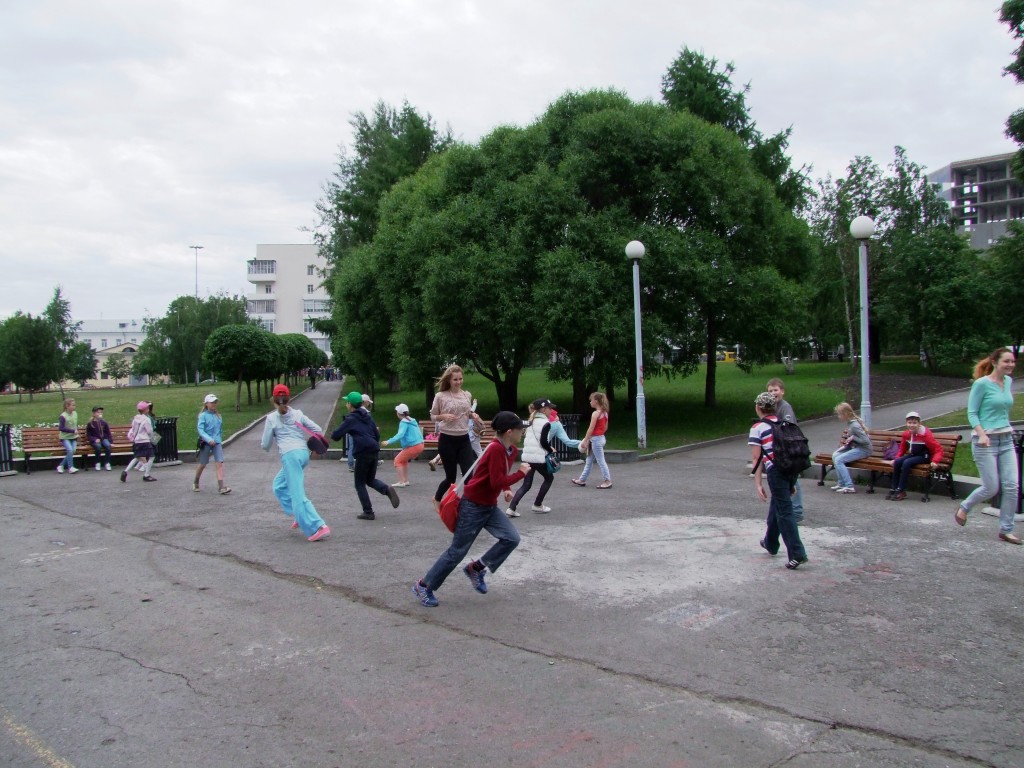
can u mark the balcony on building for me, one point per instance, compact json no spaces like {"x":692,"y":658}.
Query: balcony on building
{"x":262,"y":270}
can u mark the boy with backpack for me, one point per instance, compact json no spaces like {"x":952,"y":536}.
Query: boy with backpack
{"x":785,"y":412}
{"x":779,"y":450}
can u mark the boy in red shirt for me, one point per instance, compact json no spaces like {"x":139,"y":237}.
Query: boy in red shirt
{"x":479,"y":510}
{"x":917,"y":447}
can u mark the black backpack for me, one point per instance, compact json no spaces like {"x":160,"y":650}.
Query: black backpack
{"x":791,"y":454}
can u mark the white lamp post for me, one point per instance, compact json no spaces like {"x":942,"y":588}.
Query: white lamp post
{"x":197,"y":249}
{"x":862,"y":228}
{"x":634,"y":252}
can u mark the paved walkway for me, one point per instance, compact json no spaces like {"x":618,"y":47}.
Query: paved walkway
{"x":641,"y":626}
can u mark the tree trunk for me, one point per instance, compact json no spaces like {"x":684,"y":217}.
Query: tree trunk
{"x":507,"y":390}
{"x":248,"y":391}
{"x":428,"y":394}
{"x":580,"y":393}
{"x":238,"y":394}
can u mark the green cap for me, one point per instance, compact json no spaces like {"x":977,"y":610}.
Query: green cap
{"x":355,"y":399}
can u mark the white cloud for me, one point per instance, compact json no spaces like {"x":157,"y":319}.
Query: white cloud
{"x":129,"y":131}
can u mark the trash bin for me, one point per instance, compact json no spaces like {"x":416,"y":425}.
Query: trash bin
{"x":167,"y":448}
{"x":1018,"y":443}
{"x":6,"y":452}
{"x":571,"y":422}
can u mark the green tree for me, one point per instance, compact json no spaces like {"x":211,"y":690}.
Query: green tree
{"x":244,"y":353}
{"x":1006,"y":269}
{"x":81,"y":362}
{"x":117,"y":367}
{"x":58,"y":314}
{"x":1012,"y":14}
{"x":27,"y":351}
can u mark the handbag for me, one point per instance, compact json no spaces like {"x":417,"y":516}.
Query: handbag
{"x":155,"y":438}
{"x":891,"y":450}
{"x":552,"y":463}
{"x":316,"y":442}
{"x":449,"y":506}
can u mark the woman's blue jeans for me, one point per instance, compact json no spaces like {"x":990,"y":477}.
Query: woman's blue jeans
{"x":596,"y":453}
{"x":841,"y":458}
{"x":997,"y":466}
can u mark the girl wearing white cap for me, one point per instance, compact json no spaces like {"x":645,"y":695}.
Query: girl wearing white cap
{"x":211,"y":443}
{"x":410,"y":437}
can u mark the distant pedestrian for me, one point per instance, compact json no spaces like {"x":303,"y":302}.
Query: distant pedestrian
{"x":141,"y":434}
{"x":785,"y":413}
{"x":359,"y":424}
{"x":988,"y":412}
{"x":853,"y":446}
{"x":410,"y":438}
{"x":67,"y":426}
{"x":97,"y":432}
{"x":780,"y":520}
{"x":453,"y":409}
{"x":312,"y":377}
{"x":594,"y":441}
{"x":210,"y":427}
{"x":917,"y":446}
{"x":479,"y":510}
{"x":285,"y":426}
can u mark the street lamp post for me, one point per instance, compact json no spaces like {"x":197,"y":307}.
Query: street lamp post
{"x":634,"y":252}
{"x":862,"y":228}
{"x":197,"y":249}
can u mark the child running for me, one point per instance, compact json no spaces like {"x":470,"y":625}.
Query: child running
{"x":479,"y":510}
{"x":289,"y":427}
{"x":359,"y":424}
{"x":594,"y":441}
{"x":410,"y":437}
{"x":141,"y":434}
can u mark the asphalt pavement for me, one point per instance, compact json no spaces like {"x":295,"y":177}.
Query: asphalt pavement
{"x":146,"y":625}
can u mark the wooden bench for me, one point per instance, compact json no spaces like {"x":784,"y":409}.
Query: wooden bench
{"x":427,"y":426}
{"x":880,"y":439}
{"x":46,"y":440}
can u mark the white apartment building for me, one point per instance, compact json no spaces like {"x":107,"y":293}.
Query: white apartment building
{"x":103,"y":334}
{"x":287,"y":292}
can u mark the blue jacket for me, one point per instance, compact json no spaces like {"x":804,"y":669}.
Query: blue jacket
{"x":365,"y":435}
{"x":409,"y":433}
{"x":209,"y":427}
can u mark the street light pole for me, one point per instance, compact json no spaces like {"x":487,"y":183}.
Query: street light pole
{"x":634,"y":252}
{"x":862,"y":228}
{"x":197,"y":249}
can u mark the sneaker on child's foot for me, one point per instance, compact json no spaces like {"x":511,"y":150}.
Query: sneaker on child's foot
{"x":476,"y":577}
{"x":322,"y":533}
{"x":149,"y":478}
{"x":60,"y":469}
{"x":366,"y":516}
{"x":124,"y":475}
{"x":393,"y":495}
{"x":99,"y":467}
{"x":107,"y":466}
{"x":511,"y":512}
{"x":72,"y":470}
{"x":541,"y":509}
{"x":195,"y":487}
{"x":846,"y":489}
{"x":424,"y":595}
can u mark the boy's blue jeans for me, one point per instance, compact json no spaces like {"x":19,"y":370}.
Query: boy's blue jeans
{"x":474,"y":518}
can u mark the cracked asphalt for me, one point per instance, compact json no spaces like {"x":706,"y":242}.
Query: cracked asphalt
{"x":146,"y":625}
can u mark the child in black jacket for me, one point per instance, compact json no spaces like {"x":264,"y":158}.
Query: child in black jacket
{"x":366,"y":447}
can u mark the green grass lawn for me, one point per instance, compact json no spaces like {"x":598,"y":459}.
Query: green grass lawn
{"x":183,"y":401}
{"x":675,"y":408}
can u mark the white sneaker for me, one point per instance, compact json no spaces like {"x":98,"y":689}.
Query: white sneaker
{"x":540,"y":508}
{"x":99,"y":467}
{"x":72,"y":470}
{"x":512,"y":512}
{"x":835,"y":487}
{"x":846,"y":489}
{"x":107,"y":467}
{"x":60,"y":469}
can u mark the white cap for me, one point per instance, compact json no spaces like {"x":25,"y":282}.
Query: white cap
{"x":210,"y":398}
{"x":401,"y":408}
{"x":913,"y":415}
{"x":366,"y":399}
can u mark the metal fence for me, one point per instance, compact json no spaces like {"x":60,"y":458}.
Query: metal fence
{"x":6,"y":452}
{"x":571,"y":422}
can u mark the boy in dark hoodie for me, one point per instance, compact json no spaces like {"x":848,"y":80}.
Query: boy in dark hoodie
{"x":366,"y":447}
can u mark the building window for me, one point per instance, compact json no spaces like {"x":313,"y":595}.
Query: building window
{"x":257,"y":267}
{"x":269,"y":288}
{"x":309,"y":270}
{"x":104,"y":375}
{"x":307,"y":326}
{"x":117,"y":342}
{"x":261,"y":306}
{"x":103,"y":343}
{"x":268,"y":325}
{"x":309,"y":289}
{"x":316,"y":305}
{"x":134,"y":341}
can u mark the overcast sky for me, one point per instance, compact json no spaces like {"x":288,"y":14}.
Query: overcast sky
{"x":132,"y":129}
